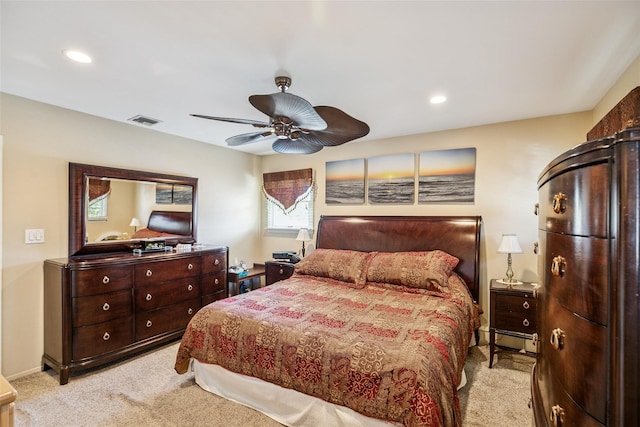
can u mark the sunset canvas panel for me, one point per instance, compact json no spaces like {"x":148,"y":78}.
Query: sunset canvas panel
{"x":447,"y":176}
{"x":391,"y":179}
{"x":345,"y":182}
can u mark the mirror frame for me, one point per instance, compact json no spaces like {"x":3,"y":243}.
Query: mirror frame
{"x":78,"y":174}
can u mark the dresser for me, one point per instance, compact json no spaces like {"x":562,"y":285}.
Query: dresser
{"x":99,"y":308}
{"x":587,"y":371}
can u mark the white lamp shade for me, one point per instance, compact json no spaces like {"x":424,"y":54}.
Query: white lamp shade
{"x":509,"y":245}
{"x":135,"y":222}
{"x":303,"y":235}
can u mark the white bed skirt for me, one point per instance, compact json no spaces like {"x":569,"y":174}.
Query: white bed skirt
{"x":288,"y":407}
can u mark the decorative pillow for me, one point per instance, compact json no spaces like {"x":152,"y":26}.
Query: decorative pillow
{"x":346,"y":266}
{"x":423,"y":270}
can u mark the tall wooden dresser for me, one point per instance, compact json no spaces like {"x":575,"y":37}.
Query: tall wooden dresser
{"x":587,"y":369}
{"x":101,"y":308}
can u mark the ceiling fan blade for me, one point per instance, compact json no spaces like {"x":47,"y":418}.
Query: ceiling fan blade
{"x":295,"y":146}
{"x":341,"y":128}
{"x":281,"y":104}
{"x":248,"y":138}
{"x":255,"y":123}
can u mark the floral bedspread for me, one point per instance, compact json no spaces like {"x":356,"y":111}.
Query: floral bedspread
{"x":385,"y":351}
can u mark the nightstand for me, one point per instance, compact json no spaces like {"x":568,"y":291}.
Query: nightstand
{"x":235,"y":281}
{"x":513,"y":313}
{"x":277,"y":270}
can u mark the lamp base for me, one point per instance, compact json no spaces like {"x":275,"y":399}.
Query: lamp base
{"x":509,"y":282}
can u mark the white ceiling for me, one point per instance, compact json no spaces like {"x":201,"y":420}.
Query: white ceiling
{"x":379,"y":61}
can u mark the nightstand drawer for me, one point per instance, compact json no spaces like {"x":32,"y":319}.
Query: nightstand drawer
{"x":515,"y":313}
{"x":276,"y":271}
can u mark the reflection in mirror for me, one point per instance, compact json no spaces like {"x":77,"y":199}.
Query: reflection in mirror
{"x":112,"y":209}
{"x":120,"y":209}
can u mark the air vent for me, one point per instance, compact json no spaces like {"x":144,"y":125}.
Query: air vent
{"x":146,"y":121}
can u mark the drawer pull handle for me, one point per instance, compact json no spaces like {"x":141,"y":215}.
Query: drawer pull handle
{"x":536,"y":248}
{"x":281,"y":271}
{"x":559,"y":266}
{"x":216,"y":281}
{"x":525,"y":305}
{"x":216,"y":262}
{"x":560,"y":203}
{"x":106,"y":306}
{"x":525,"y":322}
{"x":190,"y":311}
{"x":106,"y":280}
{"x":149,"y":273}
{"x":556,"y":416}
{"x":149,"y":323}
{"x":190,"y":266}
{"x":148,"y":297}
{"x":534,"y":339}
{"x":536,"y":209}
{"x":106,"y":336}
{"x":557,"y":339}
{"x":190,"y":287}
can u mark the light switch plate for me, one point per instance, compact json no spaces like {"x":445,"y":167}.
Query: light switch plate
{"x":34,"y":235}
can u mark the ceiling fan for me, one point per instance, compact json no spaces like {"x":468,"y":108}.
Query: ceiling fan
{"x":295,"y":126}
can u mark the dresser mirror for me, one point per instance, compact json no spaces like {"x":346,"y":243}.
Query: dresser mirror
{"x":112,"y":210}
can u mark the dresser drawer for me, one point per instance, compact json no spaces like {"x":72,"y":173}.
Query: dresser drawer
{"x":163,"y":271}
{"x":166,"y":319}
{"x":214,"y":262}
{"x":576,"y":202}
{"x":212,"y":283}
{"x":276,"y":271}
{"x":208,"y":299}
{"x":553,"y":395}
{"x":102,"y":338}
{"x":101,"y":280}
{"x":100,"y":308}
{"x":515,"y":313}
{"x":575,"y":272}
{"x":153,"y":296}
{"x":574,"y":348}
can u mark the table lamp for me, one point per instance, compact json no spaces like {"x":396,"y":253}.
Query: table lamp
{"x":509,"y":245}
{"x":303,"y":236}
{"x":135,"y":223}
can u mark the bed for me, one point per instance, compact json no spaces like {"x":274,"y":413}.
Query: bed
{"x":166,"y":224}
{"x":372,"y":328}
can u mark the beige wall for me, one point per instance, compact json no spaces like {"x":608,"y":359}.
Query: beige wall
{"x":39,"y":142}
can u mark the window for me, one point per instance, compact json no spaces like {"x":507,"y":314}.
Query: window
{"x":300,"y":217}
{"x":97,"y":209}
{"x":289,"y":199}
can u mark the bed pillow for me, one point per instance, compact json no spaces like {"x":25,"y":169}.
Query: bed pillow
{"x":343,"y":265}
{"x":423,"y":270}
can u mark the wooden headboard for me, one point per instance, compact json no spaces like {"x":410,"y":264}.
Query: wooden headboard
{"x":179,"y":223}
{"x":456,"y":235}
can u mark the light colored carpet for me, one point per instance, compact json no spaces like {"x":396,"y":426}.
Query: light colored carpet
{"x":146,"y":391}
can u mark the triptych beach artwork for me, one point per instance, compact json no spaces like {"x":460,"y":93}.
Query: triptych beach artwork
{"x":443,"y":176}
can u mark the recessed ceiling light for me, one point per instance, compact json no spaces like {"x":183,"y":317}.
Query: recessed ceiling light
{"x":77,"y":56}
{"x":438,"y":99}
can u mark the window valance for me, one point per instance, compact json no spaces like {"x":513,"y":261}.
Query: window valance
{"x":98,"y":188}
{"x":286,"y":189}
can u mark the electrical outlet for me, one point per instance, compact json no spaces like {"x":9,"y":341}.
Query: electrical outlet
{"x":34,"y":235}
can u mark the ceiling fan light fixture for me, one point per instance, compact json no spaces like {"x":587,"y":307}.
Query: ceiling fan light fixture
{"x":295,"y":126}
